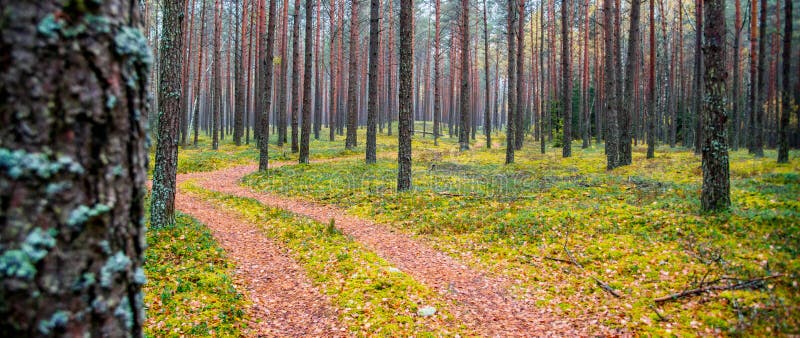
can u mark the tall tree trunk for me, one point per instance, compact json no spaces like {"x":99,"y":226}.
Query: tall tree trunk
{"x":787,"y":103}
{"x":543,"y":108}
{"x":566,"y":74}
{"x":317,"y":74}
{"x":282,"y":86}
{"x":391,"y":73}
{"x":698,"y":75}
{"x":519,"y":124}
{"x":188,"y":26}
{"x":437,"y":85}
{"x":239,"y":111}
{"x":217,"y":75}
{"x":305,"y":136}
{"x":162,"y":207}
{"x":75,"y":183}
{"x":352,"y":84}
{"x":625,"y":151}
{"x":512,"y":81}
{"x":758,"y":135}
{"x":268,"y":41}
{"x":612,"y":134}
{"x":463,"y":132}
{"x":295,"y":73}
{"x":651,"y":86}
{"x":737,"y":40}
{"x":199,"y":74}
{"x":372,"y":105}
{"x":716,"y":179}
{"x":586,"y":134}
{"x":405,"y":93}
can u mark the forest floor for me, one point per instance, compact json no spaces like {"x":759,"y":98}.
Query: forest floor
{"x":544,"y":246}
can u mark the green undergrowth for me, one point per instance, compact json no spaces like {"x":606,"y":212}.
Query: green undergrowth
{"x":637,"y":228}
{"x":374,"y":297}
{"x":189,"y":291}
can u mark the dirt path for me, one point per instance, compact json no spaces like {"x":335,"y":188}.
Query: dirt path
{"x":480,"y":301}
{"x":284,"y":302}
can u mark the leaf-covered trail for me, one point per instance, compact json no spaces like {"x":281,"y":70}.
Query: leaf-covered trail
{"x":482,"y":302}
{"x":284,"y":302}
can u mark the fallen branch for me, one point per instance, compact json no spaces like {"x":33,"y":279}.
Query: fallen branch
{"x":558,"y":260}
{"x":746,"y":284}
{"x":599,"y":282}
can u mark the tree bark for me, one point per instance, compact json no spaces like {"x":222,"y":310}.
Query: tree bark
{"x":758,"y":135}
{"x":625,"y":151}
{"x":651,"y":86}
{"x":405,"y":95}
{"x":73,"y":167}
{"x":217,"y":76}
{"x":268,"y":41}
{"x":463,"y":131}
{"x":352,"y":84}
{"x":372,"y":105}
{"x":512,"y":81}
{"x":305,"y":136}
{"x":787,"y":103}
{"x":566,"y":74}
{"x":162,"y":207}
{"x":612,"y":134}
{"x":295,"y":73}
{"x":716,"y":179}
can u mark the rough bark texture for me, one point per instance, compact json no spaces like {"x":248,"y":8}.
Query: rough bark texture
{"x":512,"y":81}
{"x":437,"y":87}
{"x":716,"y":179}
{"x":566,"y":73}
{"x":758,"y":134}
{"x":372,"y":105}
{"x":463,"y":130}
{"x":405,"y":95}
{"x":217,"y":76}
{"x":238,"y":111}
{"x":737,"y":39}
{"x":72,"y":168}
{"x":612,"y":129}
{"x":162,"y":207}
{"x":295,"y":73}
{"x":199,"y":75}
{"x":625,"y":116}
{"x":268,"y":40}
{"x":788,"y":104}
{"x":651,"y":87}
{"x":305,"y":136}
{"x":698,"y":76}
{"x":350,"y":141}
{"x":519,"y":126}
{"x":317,"y":75}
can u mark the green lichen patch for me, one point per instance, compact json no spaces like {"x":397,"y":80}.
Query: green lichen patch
{"x":22,"y":164}
{"x":115,"y":264}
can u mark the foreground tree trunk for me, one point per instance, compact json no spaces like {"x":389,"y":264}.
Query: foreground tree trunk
{"x":716,"y":179}
{"x":758,"y":135}
{"x":199,"y":75}
{"x":651,"y":87}
{"x":217,"y":76}
{"x":405,"y":95}
{"x":625,"y":116}
{"x":305,"y":133}
{"x":73,"y":166}
{"x":295,"y":74}
{"x":268,"y":41}
{"x":612,"y":133}
{"x":350,"y":141}
{"x":787,"y":103}
{"x":372,"y":105}
{"x":162,"y":207}
{"x":437,"y":87}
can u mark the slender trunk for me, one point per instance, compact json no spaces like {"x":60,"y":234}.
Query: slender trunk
{"x":625,"y":151}
{"x":372,"y":106}
{"x":295,"y":73}
{"x":463,"y":132}
{"x":199,"y":73}
{"x":352,"y":84}
{"x":566,"y":74}
{"x":405,"y":93}
{"x":512,"y":81}
{"x":268,"y":40}
{"x":787,"y":103}
{"x":305,"y":136}
{"x":651,"y":86}
{"x":758,"y":145}
{"x":217,"y":75}
{"x":612,"y":134}
{"x":519,"y":114}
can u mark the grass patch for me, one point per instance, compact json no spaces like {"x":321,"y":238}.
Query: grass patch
{"x":638,"y":227}
{"x":375,"y":298}
{"x":189,"y":290}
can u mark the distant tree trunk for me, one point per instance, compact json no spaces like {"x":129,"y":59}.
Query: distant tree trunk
{"x":162,"y":207}
{"x":512,"y":81}
{"x":543,"y":108}
{"x":199,"y":74}
{"x":305,"y":136}
{"x":282,"y":87}
{"x":332,"y":111}
{"x":651,"y":86}
{"x":737,"y":39}
{"x":238,"y":119}
{"x":372,"y":106}
{"x":463,"y":131}
{"x":188,"y":26}
{"x":612,"y":135}
{"x":268,"y":41}
{"x":437,"y":86}
{"x":586,"y":135}
{"x":317,"y":74}
{"x":75,"y":183}
{"x":787,"y":103}
{"x":405,"y":86}
{"x":391,"y":74}
{"x":716,"y":179}
{"x":566,"y":74}
{"x":758,"y":135}
{"x":217,"y":75}
{"x":352,"y":84}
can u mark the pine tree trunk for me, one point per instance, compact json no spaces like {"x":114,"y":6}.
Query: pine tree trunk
{"x":372,"y":105}
{"x":352,"y":84}
{"x":199,"y":75}
{"x":612,"y":134}
{"x":72,"y":189}
{"x":295,"y":73}
{"x":512,"y":81}
{"x":305,"y":135}
{"x":463,"y":132}
{"x":758,"y":135}
{"x":566,"y":74}
{"x":716,"y":179}
{"x":162,"y":207}
{"x":405,"y":95}
{"x":268,"y":40}
{"x":625,"y":151}
{"x":651,"y":87}
{"x":787,"y":102}
{"x":217,"y":76}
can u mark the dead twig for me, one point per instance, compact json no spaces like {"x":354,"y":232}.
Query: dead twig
{"x":599,"y":282}
{"x":745,"y":284}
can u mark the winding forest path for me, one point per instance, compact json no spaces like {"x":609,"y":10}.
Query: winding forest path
{"x":482,"y":302}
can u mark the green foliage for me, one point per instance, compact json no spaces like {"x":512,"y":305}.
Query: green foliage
{"x":638,"y":227}
{"x":376,"y":298}
{"x":189,"y":290}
